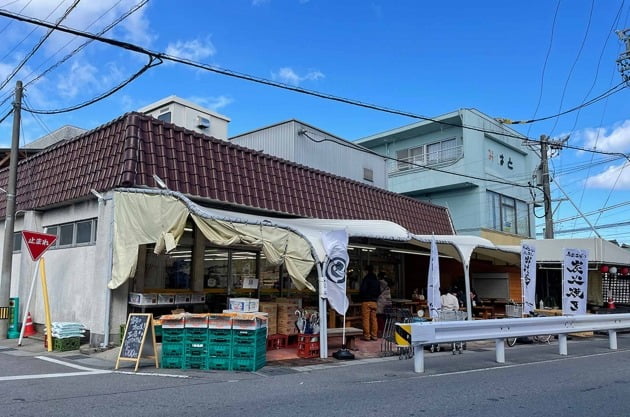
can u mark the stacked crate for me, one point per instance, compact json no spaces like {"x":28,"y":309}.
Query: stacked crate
{"x":224,"y":342}
{"x":249,"y":349}
{"x":196,"y":341}
{"x":287,"y":317}
{"x":172,"y":342}
{"x":219,"y":341}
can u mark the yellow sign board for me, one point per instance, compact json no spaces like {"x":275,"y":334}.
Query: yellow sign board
{"x":402,"y":335}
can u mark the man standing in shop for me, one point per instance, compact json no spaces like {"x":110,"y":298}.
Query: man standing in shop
{"x":369,"y":292}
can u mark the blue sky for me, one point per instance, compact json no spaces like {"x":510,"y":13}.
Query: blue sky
{"x":515,"y":60}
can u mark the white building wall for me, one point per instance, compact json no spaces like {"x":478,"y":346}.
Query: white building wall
{"x":76,"y":277}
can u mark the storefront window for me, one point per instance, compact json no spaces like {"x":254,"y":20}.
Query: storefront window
{"x":269,"y":274}
{"x":215,"y":267}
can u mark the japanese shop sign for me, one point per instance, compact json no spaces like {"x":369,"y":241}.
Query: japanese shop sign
{"x":37,"y":243}
{"x":574,"y":281}
{"x":528,"y":277}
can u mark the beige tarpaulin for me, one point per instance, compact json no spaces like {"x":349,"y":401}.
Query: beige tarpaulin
{"x":145,"y":218}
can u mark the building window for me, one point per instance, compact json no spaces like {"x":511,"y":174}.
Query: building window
{"x":78,"y":233}
{"x":165,"y":117}
{"x":508,"y":214}
{"x":368,"y":174}
{"x":430,"y":154}
{"x":17,"y":241}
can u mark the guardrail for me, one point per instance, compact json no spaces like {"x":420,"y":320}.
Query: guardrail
{"x":429,"y":333}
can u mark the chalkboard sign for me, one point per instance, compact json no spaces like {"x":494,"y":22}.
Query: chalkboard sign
{"x":138,"y":340}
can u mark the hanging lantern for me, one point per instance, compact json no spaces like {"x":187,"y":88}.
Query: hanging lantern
{"x":603,"y":269}
{"x":613,"y":270}
{"x":624,"y":270}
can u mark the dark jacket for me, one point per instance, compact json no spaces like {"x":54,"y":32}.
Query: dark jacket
{"x":370,"y":288}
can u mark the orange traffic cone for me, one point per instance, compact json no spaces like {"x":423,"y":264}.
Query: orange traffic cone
{"x":29,"y":329}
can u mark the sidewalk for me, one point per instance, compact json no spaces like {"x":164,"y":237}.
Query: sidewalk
{"x":279,"y":358}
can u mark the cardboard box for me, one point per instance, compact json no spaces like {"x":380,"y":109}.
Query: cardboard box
{"x":249,"y":321}
{"x":166,"y":298}
{"x":196,"y":321}
{"x":140,"y":299}
{"x":244,"y":305}
{"x":220,"y":321}
{"x":198,"y":298}
{"x":173,"y":321}
{"x":183,"y":298}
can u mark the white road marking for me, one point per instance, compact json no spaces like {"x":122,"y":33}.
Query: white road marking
{"x":59,"y":362}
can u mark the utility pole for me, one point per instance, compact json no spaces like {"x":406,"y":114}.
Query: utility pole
{"x":623,"y":63}
{"x":9,"y":222}
{"x":544,"y":140}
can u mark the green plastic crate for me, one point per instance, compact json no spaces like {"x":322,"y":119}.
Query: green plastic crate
{"x":172,"y":349}
{"x":220,"y":350}
{"x":192,"y":335}
{"x":219,"y":364}
{"x":172,"y":335}
{"x":195,"y":362}
{"x":66,"y":344}
{"x":217,"y":336}
{"x":249,"y":351}
{"x":248,"y":364}
{"x":171,"y":362}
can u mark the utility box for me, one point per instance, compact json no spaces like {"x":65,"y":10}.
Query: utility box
{"x":14,"y":318}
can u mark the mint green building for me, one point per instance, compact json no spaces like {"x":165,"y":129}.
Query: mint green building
{"x":467,"y":161}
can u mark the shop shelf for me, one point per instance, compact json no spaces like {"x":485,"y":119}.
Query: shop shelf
{"x":172,"y":349}
{"x":172,"y":335}
{"x":220,"y":350}
{"x":219,"y":364}
{"x":195,"y":362}
{"x":247,"y":364}
{"x":249,"y":351}
{"x":169,"y":362}
{"x":220,"y":336}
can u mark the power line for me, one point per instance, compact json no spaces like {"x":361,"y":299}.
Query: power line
{"x":153,"y":62}
{"x":235,"y":74}
{"x":39,"y":44}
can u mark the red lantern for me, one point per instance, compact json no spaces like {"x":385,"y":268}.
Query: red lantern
{"x":624,"y":270}
{"x":603,"y":269}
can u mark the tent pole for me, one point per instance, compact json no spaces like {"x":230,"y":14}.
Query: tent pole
{"x":323,"y":318}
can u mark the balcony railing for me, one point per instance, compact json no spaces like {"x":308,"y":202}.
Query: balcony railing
{"x":427,"y":159}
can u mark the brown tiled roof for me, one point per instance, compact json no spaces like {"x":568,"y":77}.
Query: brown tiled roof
{"x":129,"y":150}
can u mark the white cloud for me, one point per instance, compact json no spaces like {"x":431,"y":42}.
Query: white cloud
{"x":194,"y":50}
{"x":614,"y":139}
{"x":81,"y":77}
{"x":259,"y":2}
{"x":617,"y":176}
{"x":288,"y":76}
{"x":213,"y":103}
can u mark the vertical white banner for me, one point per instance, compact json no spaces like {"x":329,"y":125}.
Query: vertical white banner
{"x":433,"y":282}
{"x":336,"y":245}
{"x":574,"y":281}
{"x":528,"y":277}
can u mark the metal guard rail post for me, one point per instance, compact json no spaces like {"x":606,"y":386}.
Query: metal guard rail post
{"x":428,"y":333}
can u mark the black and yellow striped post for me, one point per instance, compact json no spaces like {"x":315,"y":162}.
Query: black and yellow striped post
{"x":402,"y":336}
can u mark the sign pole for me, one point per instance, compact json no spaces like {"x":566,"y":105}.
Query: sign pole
{"x":28,"y":303}
{"x":42,"y":272}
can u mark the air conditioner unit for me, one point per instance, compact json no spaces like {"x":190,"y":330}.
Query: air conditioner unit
{"x":203,"y":122}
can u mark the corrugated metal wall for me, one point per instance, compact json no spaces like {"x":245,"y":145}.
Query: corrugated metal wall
{"x":316,"y":149}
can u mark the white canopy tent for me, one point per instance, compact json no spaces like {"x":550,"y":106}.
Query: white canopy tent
{"x":159,"y":216}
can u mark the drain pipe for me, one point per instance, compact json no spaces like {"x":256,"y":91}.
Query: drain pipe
{"x":102,"y":201}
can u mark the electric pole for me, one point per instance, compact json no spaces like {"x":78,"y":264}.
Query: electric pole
{"x":623,"y":63}
{"x":9,"y":222}
{"x":546,"y":188}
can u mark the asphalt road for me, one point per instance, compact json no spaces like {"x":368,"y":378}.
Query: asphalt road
{"x":535,"y":381}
